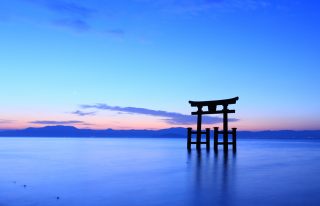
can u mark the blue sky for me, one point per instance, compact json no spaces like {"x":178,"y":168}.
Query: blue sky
{"x":58,"y":55}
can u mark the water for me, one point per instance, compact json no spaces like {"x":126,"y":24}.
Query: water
{"x":136,"y":172}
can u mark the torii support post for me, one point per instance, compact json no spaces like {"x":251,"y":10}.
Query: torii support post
{"x":216,"y":133}
{"x":207,"y":138}
{"x":198,"y":142}
{"x":234,"y":138}
{"x":189,"y":138}
{"x":215,"y":138}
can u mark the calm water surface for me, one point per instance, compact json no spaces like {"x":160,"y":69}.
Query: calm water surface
{"x":137,"y":171}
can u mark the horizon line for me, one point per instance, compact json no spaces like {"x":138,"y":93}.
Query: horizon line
{"x":266,"y":130}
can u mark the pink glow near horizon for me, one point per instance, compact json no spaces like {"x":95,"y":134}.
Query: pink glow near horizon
{"x":114,"y":120}
{"x":259,"y":124}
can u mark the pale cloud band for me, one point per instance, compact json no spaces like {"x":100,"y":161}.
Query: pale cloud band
{"x":173,"y":118}
{"x":51,"y":122}
{"x":5,"y":121}
{"x":82,"y":113}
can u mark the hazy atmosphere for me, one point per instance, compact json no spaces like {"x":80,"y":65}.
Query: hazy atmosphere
{"x":159,"y":102}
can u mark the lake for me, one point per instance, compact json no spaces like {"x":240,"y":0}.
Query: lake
{"x":156,"y":172}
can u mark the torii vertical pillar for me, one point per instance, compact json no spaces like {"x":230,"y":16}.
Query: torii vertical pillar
{"x":199,"y":122}
{"x":225,"y":126}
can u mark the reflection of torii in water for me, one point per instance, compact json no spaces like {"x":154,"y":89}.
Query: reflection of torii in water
{"x":212,"y":109}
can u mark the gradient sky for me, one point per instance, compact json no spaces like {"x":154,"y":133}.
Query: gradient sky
{"x":116,"y":63}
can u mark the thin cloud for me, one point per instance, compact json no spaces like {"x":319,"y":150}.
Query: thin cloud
{"x":84,"y":16}
{"x":69,"y":8}
{"x":66,"y":8}
{"x":5,"y":121}
{"x":199,"y":6}
{"x":118,"y":33}
{"x":77,"y":25}
{"x":57,"y":122}
{"x":81,"y":113}
{"x":169,"y":117}
{"x":69,"y":15}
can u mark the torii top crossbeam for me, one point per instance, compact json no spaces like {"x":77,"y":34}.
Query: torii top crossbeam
{"x":212,"y":106}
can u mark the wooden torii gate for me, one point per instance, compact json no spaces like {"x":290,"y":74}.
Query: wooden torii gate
{"x":212,"y":109}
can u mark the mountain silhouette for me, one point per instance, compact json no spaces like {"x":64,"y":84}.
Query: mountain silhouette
{"x":70,"y":131}
{"x":180,"y":132}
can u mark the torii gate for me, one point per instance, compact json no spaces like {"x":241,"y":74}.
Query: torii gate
{"x":212,"y":109}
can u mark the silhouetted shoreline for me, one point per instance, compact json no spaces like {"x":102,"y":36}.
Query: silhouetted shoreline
{"x":179,"y":132}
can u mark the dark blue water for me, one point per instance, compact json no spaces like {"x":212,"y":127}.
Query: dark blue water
{"x":136,"y":172}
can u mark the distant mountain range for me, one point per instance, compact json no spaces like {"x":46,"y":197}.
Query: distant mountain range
{"x":69,"y":131}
